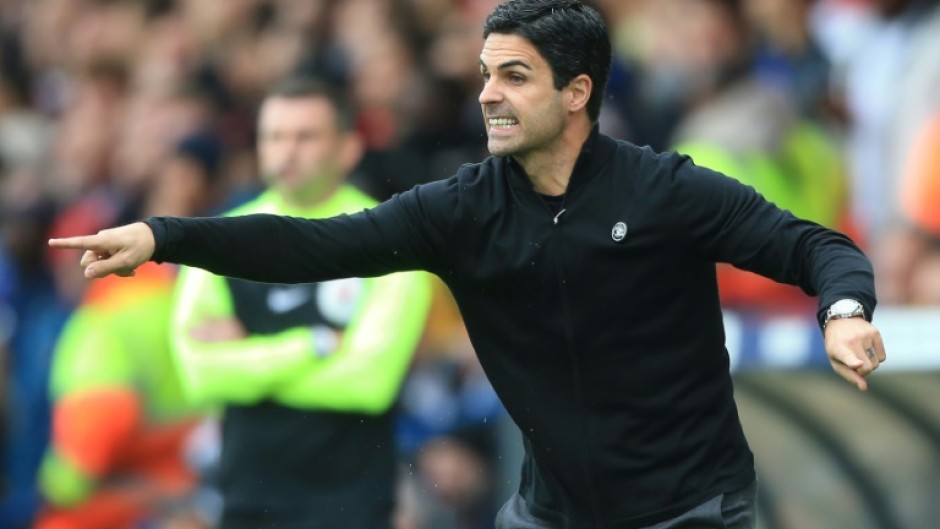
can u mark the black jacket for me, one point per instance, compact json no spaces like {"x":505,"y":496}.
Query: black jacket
{"x":609,"y":354}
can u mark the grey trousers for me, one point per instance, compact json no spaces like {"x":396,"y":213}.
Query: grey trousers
{"x":735,"y":510}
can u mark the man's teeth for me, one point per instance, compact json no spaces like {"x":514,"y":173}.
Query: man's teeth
{"x":502,"y":122}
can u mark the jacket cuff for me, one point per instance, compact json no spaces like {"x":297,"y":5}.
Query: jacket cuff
{"x":158,"y":226}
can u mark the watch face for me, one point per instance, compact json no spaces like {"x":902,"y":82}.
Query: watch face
{"x":845,"y":306}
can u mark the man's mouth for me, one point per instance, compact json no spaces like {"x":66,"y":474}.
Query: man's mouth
{"x":502,"y":123}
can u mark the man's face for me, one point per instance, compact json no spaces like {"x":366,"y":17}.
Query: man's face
{"x":522,"y":110}
{"x":302,"y":152}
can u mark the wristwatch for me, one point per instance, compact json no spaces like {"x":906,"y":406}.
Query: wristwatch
{"x":844,"y":308}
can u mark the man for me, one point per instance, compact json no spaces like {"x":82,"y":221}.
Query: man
{"x":909,"y":255}
{"x":122,"y":428}
{"x":121,"y":424}
{"x":307,"y":373}
{"x":584,"y":268}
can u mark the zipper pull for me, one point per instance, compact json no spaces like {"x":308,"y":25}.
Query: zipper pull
{"x":558,"y":216}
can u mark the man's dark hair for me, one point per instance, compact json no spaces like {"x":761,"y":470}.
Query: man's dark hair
{"x":570,"y":35}
{"x":304,"y":87}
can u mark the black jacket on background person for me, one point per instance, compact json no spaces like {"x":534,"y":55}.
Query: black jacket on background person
{"x":294,"y":468}
{"x":598,"y":326}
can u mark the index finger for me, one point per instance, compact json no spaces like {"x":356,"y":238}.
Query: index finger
{"x":82,"y":242}
{"x":850,"y":375}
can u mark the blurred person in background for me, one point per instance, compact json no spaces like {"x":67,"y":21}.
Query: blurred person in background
{"x":33,"y":316}
{"x":307,"y":374}
{"x":31,"y":310}
{"x":449,"y":422}
{"x":98,"y":94}
{"x":386,"y":83}
{"x":910,"y":261}
{"x":415,"y":97}
{"x":120,"y":421}
{"x":459,"y":481}
{"x":147,"y":151}
{"x":787,"y":56}
{"x":904,"y":248}
{"x":886,"y":57}
{"x":150,"y":128}
{"x":445,"y":128}
{"x":580,"y":321}
{"x":647,"y":90}
{"x":888,"y":78}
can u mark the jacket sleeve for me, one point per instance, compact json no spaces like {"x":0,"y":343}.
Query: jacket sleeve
{"x":407,"y":232}
{"x":365,"y":373}
{"x":241,"y":371}
{"x":730,"y":222}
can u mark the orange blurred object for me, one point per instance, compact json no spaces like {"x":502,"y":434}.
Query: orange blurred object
{"x":920,"y":186}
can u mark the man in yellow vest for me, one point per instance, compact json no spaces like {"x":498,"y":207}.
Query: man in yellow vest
{"x":306,"y":374}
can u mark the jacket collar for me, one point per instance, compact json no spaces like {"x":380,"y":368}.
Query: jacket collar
{"x":595,"y":153}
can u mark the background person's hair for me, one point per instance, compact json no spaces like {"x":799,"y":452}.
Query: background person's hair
{"x":570,"y":35}
{"x":304,"y":87}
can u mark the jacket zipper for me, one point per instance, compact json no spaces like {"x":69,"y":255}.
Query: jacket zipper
{"x":576,"y":369}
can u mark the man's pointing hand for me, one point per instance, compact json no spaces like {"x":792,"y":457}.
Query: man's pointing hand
{"x":114,"y":251}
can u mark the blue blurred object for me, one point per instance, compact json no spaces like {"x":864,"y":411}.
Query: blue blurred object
{"x":438,"y":400}
{"x":31,"y":315}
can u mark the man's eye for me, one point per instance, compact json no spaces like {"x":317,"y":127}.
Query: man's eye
{"x":486,"y":76}
{"x":516,"y":79}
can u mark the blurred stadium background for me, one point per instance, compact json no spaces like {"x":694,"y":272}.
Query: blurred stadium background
{"x":110,"y":109}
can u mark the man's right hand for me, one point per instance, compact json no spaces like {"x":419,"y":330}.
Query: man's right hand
{"x":115,"y":251}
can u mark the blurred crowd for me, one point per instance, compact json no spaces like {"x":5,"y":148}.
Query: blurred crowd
{"x":112,"y":110}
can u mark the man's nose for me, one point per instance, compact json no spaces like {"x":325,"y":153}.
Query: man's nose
{"x":291,"y":147}
{"x":489,"y":93}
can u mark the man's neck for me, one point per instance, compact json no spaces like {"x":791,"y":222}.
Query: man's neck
{"x":549,"y":169}
{"x":298,"y":202}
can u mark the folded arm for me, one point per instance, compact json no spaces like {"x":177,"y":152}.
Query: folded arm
{"x":366,"y":371}
{"x":234,"y":370}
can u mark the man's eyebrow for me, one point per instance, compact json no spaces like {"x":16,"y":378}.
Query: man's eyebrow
{"x":509,"y":64}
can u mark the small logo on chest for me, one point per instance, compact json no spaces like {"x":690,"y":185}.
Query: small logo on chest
{"x":619,"y":231}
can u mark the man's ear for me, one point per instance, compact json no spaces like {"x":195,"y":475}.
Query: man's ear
{"x":579,"y":92}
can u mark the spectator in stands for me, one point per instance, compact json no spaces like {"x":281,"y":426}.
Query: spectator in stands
{"x":910,"y":258}
{"x":120,"y":421}
{"x":787,"y":57}
{"x":448,"y":427}
{"x":890,"y":81}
